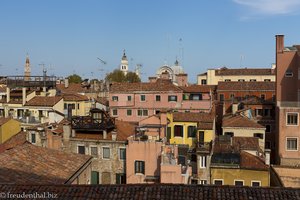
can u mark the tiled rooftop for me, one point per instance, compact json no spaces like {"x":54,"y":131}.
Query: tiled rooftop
{"x":289,"y":176}
{"x":246,"y":86}
{"x":192,"y":117}
{"x":199,"y":88}
{"x":3,"y":120}
{"x":156,"y":191}
{"x":159,"y":85}
{"x":244,"y":71}
{"x":72,"y":88}
{"x":74,"y":97}
{"x":30,"y":164}
{"x":239,"y":121}
{"x":43,"y":101}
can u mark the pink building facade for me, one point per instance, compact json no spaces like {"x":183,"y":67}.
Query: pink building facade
{"x":287,"y":102}
{"x":136,"y":101}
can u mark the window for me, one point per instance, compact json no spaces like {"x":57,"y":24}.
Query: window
{"x":120,"y":178}
{"x":258,"y":135}
{"x":181,"y":160}
{"x":241,"y":80}
{"x":139,"y":167}
{"x":201,"y":137}
{"x":33,"y":138}
{"x":129,"y":112}
{"x":195,"y":97}
{"x":143,"y":97}
{"x":238,"y":182}
{"x":202,"y":161}
{"x":106,"y":153}
{"x":65,"y":106}
{"x":267,"y":112}
{"x":78,"y":106}
{"x":268,"y":128}
{"x":218,"y":182}
{"x":221,"y":97}
{"x":128,"y":98}
{"x":289,"y":73}
{"x":192,"y":131}
{"x":263,"y":96}
{"x":255,"y":183}
{"x":122,"y":153}
{"x":292,"y":119}
{"x":273,"y":97}
{"x":252,"y":80}
{"x":94,"y":151}
{"x":227,"y":80}
{"x":114,"y":112}
{"x":81,"y":149}
{"x":231,"y":134}
{"x":258,"y":112}
{"x":203,"y":182}
{"x":178,"y":131}
{"x":203,"y":82}
{"x":231,"y":96}
{"x":267,"y":80}
{"x":157,"y":98}
{"x":292,"y":144}
{"x":115,"y":98}
{"x":95,"y":177}
{"x":194,"y":181}
{"x":172,"y":98}
{"x":157,"y":112}
{"x":142,"y":112}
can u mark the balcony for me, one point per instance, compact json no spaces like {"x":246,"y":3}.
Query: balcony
{"x":32,"y":81}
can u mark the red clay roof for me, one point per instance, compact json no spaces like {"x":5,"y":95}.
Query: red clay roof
{"x":124,"y":130}
{"x":156,"y":191}
{"x":43,"y":101}
{"x":199,"y":88}
{"x":244,"y":71}
{"x":239,"y":121}
{"x":192,"y":117}
{"x":159,"y":85}
{"x":3,"y":120}
{"x":72,"y":88}
{"x":18,"y":139}
{"x":3,"y":88}
{"x":249,"y":161}
{"x":30,"y":164}
{"x":246,"y":86}
{"x":74,"y":97}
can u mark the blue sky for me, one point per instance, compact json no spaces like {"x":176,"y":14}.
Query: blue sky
{"x":68,"y":35}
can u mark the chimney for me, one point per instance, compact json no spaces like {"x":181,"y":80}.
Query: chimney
{"x":23,"y":96}
{"x":66,"y":132}
{"x":114,"y":135}
{"x":7,"y":94}
{"x":279,"y":43}
{"x":267,"y":154}
{"x":152,"y":79}
{"x":66,"y":82}
{"x":104,"y":134}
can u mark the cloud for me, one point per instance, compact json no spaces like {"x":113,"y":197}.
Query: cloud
{"x":270,"y":7}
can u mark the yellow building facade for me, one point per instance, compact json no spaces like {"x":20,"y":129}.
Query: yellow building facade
{"x":8,"y":128}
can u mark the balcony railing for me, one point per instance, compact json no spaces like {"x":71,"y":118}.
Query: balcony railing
{"x":31,"y":81}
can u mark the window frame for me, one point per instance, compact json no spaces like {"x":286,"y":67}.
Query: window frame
{"x":129,"y":98}
{"x":142,"y":113}
{"x":120,"y":157}
{"x":182,"y":128}
{"x":81,"y":145}
{"x":170,"y":98}
{"x":127,"y":114}
{"x":221,"y":99}
{"x":105,"y":158}
{"x":297,"y":143}
{"x":222,"y":180}
{"x":140,"y":169}
{"x":112,"y":112}
{"x":255,"y":181}
{"x":239,"y":180}
{"x":115,"y":98}
{"x":202,"y":162}
{"x":92,"y":146}
{"x":287,"y":119}
{"x":157,"y":98}
{"x":142,"y":98}
{"x":194,"y":133}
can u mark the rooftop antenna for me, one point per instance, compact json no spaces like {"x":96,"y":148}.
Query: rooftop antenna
{"x":138,"y":69}
{"x":181,"y":51}
{"x":103,"y":63}
{"x":241,"y":60}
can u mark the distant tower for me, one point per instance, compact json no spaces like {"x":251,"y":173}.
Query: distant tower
{"x":124,"y":64}
{"x":27,"y":69}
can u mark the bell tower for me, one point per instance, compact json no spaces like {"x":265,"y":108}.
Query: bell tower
{"x":27,"y":69}
{"x":124,"y":63}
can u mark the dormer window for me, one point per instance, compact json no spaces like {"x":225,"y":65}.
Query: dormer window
{"x":288,"y":73}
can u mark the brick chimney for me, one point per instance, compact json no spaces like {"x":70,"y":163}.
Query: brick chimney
{"x":279,"y":43}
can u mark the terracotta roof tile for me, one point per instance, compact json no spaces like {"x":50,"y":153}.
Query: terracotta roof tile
{"x":73,"y":88}
{"x":249,"y":161}
{"x":156,"y":191}
{"x":18,"y":139}
{"x":74,"y":97}
{"x":30,"y":164}
{"x":239,"y":121}
{"x":3,"y":120}
{"x":192,"y":117}
{"x":199,"y":88}
{"x":244,"y":71}
{"x":159,"y":85}
{"x":43,"y":101}
{"x":246,"y":86}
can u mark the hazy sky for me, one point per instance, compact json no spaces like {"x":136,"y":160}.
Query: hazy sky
{"x":68,"y":35}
